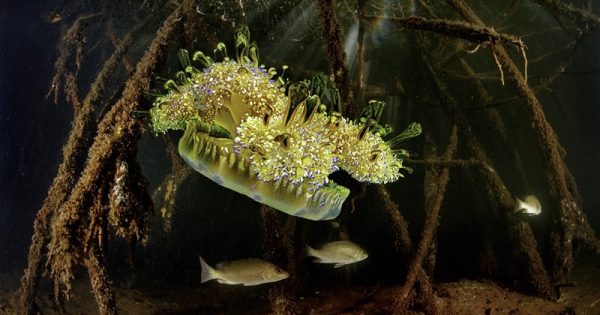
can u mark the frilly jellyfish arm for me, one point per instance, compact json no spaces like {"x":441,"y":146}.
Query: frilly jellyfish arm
{"x":216,"y":159}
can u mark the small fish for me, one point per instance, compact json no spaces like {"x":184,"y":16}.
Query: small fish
{"x":529,"y":206}
{"x":339,"y":253}
{"x":52,"y":17}
{"x":251,"y":271}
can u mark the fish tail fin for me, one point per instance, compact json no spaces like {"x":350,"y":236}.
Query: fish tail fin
{"x":518,"y":205}
{"x":310,"y":251}
{"x":207,"y":272}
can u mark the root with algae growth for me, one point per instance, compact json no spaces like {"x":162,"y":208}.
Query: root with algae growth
{"x":64,"y":218}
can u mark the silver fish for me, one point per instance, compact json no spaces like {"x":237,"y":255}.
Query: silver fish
{"x":339,"y":253}
{"x":529,"y":206}
{"x":251,"y":271}
{"x":52,"y":17}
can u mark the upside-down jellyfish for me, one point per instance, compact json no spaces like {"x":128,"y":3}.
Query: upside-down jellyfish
{"x":245,"y":133}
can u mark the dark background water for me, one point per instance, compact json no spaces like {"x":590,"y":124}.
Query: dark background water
{"x":33,"y":130}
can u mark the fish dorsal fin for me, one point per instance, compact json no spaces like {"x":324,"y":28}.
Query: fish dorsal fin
{"x":533,"y":201}
{"x":342,"y":246}
{"x":311,"y":251}
{"x":223,"y":264}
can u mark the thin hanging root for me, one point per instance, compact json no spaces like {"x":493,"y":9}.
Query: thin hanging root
{"x":525,"y":62}
{"x":499,"y":66}
{"x":474,"y":50}
{"x":473,"y":31}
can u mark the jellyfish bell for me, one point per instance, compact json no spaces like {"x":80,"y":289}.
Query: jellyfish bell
{"x":216,"y":159}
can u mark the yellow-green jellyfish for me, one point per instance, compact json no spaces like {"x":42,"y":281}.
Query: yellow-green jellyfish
{"x":245,"y":133}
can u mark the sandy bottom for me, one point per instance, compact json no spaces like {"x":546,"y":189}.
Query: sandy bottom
{"x":462,"y":297}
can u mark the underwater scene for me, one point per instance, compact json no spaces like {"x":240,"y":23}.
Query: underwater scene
{"x":300,"y":157}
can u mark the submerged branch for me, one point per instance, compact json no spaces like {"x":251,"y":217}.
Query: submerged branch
{"x":360,"y":54}
{"x":332,"y":35}
{"x":279,"y":246}
{"x":401,"y":238}
{"x":457,"y":29}
{"x":582,"y":16}
{"x":444,"y":163}
{"x":433,"y":204}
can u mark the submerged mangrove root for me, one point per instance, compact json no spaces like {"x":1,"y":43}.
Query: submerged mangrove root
{"x":165,"y":195}
{"x":434,"y":204}
{"x":572,"y":223}
{"x":430,"y":183}
{"x":587,"y":18}
{"x":117,"y":132}
{"x":332,"y":35}
{"x":572,"y":220}
{"x":111,"y":194}
{"x":71,"y":91}
{"x":399,"y":225}
{"x":101,"y":285}
{"x":360,"y":53}
{"x":73,"y":42}
{"x":420,"y":290}
{"x":495,"y":120}
{"x":472,"y":32}
{"x":94,"y":261}
{"x":279,"y":249}
{"x":73,"y":156}
{"x":423,"y":290}
{"x":498,"y":195}
{"x":194,"y":22}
